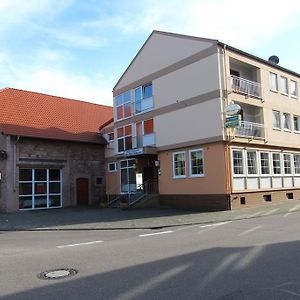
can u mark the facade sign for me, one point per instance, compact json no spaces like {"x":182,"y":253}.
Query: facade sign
{"x":233,"y":121}
{"x":232,"y":109}
{"x":133,"y":152}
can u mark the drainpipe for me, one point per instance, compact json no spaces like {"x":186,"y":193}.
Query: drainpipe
{"x":15,"y":163}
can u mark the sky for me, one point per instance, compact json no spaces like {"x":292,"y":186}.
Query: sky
{"x":79,"y":48}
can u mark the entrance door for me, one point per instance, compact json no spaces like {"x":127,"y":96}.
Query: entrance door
{"x":128,"y":176}
{"x":82,"y":191}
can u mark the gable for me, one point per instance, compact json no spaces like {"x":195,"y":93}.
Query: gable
{"x":160,"y":51}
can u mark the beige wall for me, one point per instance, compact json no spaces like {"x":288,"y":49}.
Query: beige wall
{"x":189,"y":124}
{"x":112,"y":179}
{"x":190,"y":81}
{"x":160,"y":51}
{"x":214,"y":181}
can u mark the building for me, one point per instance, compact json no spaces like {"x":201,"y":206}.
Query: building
{"x":51,"y":154}
{"x":214,"y":126}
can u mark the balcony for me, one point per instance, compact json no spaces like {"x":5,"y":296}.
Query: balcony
{"x":250,"y":130}
{"x":147,"y":140}
{"x":143,"y":105}
{"x":246,"y":87}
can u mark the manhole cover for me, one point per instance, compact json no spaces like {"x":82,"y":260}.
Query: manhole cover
{"x":57,"y":274}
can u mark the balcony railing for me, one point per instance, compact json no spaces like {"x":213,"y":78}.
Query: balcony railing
{"x":246,"y":87}
{"x":143,"y":105}
{"x":250,"y":130}
{"x":144,"y":140}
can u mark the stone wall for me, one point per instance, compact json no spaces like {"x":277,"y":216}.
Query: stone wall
{"x":77,"y":160}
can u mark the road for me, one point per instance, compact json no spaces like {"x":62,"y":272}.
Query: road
{"x":256,"y":258}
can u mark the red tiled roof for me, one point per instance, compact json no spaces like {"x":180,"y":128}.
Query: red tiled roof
{"x":38,"y":115}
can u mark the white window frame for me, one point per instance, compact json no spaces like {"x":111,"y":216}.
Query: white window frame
{"x":298,"y":123}
{"x":284,"y":85}
{"x":256,"y":161}
{"x":273,"y":116}
{"x":260,"y":164}
{"x":124,"y":138}
{"x":173,"y":163}
{"x":123,"y":105}
{"x":190,"y":162}
{"x":275,"y":76}
{"x":291,"y":164}
{"x":280,"y":164}
{"x":243,"y":163}
{"x":115,"y":167}
{"x":294,"y":167}
{"x":286,"y":117}
{"x":296,"y":88}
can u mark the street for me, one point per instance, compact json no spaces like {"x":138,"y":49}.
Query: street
{"x":256,"y":258}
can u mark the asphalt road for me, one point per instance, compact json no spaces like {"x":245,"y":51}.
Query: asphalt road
{"x":255,"y":258}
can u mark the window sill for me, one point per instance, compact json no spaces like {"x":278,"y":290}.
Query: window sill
{"x":179,"y":177}
{"x":294,"y":97}
{"x":287,"y":130}
{"x":274,"y":91}
{"x":197,"y":176}
{"x":276,"y":128}
{"x":284,"y":94}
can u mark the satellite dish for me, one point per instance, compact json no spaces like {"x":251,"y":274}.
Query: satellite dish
{"x":274,"y":59}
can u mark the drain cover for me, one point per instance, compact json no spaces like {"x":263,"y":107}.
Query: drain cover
{"x":57,"y":274}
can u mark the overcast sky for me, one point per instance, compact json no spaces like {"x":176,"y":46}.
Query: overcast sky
{"x":79,"y":48}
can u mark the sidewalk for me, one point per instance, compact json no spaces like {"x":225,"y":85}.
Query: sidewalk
{"x":113,"y":218}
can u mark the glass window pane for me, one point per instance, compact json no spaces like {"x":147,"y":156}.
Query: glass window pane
{"x":120,"y":132}
{"x":284,"y":85}
{"x":147,"y":91}
{"x":120,"y":145}
{"x":40,"y":174}
{"x":287,"y":163}
{"x":276,"y":119}
{"x":179,"y":164}
{"x":54,"y":174}
{"x":127,"y":97}
{"x":138,"y":94}
{"x":54,"y":200}
{"x":273,"y":82}
{"x":119,"y":99}
{"x":238,"y":167}
{"x":54,"y":187}
{"x":25,"y":175}
{"x":294,"y":88}
{"x":148,"y":126}
{"x":40,"y":188}
{"x":25,"y":188}
{"x":196,"y":162}
{"x":127,"y":110}
{"x":119,"y":112}
{"x":25,"y":202}
{"x":264,"y":163}
{"x":40,"y":201}
{"x":128,"y":130}
{"x":276,"y":163}
{"x":128,"y":143}
{"x":297,"y":163}
{"x":138,"y":107}
{"x":251,"y":162}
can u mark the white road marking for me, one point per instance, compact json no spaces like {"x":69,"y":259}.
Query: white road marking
{"x":155,"y":233}
{"x":249,"y":230}
{"x":287,"y":214}
{"x":270,"y":212}
{"x":214,"y":224}
{"x":79,"y":244}
{"x":294,"y":208}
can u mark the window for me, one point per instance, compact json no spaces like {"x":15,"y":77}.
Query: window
{"x":143,"y":98}
{"x":237,"y":157}
{"x":276,"y":119}
{"x":284,"y":88}
{"x":128,"y":175}
{"x":287,"y":164}
{"x":144,"y":133}
{"x":287,"y":121}
{"x":112,"y":167}
{"x":264,"y":163}
{"x":98,"y":180}
{"x":123,"y":105}
{"x":196,"y":163}
{"x":251,"y":162}
{"x":297,"y":163}
{"x":273,"y":82}
{"x":179,"y":164}
{"x":276,"y":163}
{"x":294,"y":88}
{"x":39,"y":188}
{"x":296,"y":123}
{"x":124,"y":138}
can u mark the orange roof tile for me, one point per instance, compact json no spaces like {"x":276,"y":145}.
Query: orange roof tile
{"x":39,"y":115}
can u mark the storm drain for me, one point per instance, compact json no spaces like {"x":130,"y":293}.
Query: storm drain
{"x":57,"y":274}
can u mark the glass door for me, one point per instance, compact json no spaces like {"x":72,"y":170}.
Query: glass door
{"x":128,"y":176}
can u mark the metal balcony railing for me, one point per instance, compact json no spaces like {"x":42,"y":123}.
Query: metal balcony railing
{"x":250,"y":130}
{"x":246,"y":87}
